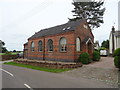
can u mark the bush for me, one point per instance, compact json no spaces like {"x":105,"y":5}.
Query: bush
{"x":96,"y":56}
{"x":117,"y":58}
{"x":116,"y":61}
{"x":102,"y":48}
{"x":84,"y":58}
{"x":117,"y":52}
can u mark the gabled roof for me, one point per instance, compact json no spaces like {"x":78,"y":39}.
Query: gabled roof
{"x":87,"y":39}
{"x":26,"y":43}
{"x":70,"y":26}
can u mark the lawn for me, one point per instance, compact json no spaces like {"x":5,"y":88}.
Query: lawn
{"x":37,"y":68}
{"x":2,"y":53}
{"x":12,"y":53}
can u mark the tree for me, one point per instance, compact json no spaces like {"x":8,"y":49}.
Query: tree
{"x":4,"y":50}
{"x":105,"y":44}
{"x":92,"y":11}
{"x":14,"y":51}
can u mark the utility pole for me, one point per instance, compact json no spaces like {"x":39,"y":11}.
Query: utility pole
{"x":1,"y":46}
{"x":1,"y":50}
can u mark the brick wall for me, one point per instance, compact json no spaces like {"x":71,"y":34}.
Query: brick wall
{"x":8,"y":57}
{"x":56,"y":54}
{"x":82,"y":33}
{"x":55,"y":65}
{"x":71,"y":54}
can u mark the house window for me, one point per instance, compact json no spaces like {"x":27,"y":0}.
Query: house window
{"x":62,"y":44}
{"x":40,"y":46}
{"x":50,"y":45}
{"x":32,"y":46}
{"x":78,"y":44}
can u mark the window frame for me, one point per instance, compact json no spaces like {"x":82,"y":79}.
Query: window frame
{"x":64,"y":47}
{"x":32,"y":46}
{"x":50,"y":45}
{"x":40,"y":46}
{"x":79,"y":44}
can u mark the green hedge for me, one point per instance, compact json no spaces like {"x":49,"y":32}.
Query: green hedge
{"x":84,"y":58}
{"x":117,"y":52}
{"x":116,"y":60}
{"x":96,"y":56}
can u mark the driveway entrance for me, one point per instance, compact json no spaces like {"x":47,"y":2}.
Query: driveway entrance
{"x":103,"y":71}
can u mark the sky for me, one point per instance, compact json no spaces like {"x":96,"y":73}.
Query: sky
{"x":20,"y":19}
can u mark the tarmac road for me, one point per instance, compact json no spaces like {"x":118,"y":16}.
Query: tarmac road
{"x":19,"y":77}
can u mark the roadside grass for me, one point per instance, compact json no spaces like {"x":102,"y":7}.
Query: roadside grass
{"x":2,"y":53}
{"x":38,"y":68}
{"x":13,"y":53}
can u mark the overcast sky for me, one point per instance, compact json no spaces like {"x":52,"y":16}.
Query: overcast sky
{"x":19,"y":19}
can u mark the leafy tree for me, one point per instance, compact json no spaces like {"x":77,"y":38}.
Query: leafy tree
{"x":105,"y":44}
{"x":3,"y":43}
{"x":92,"y":11}
{"x":4,"y":50}
{"x":14,"y":51}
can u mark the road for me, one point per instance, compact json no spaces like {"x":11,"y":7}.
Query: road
{"x":19,"y":77}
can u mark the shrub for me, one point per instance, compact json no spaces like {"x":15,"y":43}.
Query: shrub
{"x":102,"y":48}
{"x":116,"y":61}
{"x":84,"y":58}
{"x":117,"y":52}
{"x":96,"y":56}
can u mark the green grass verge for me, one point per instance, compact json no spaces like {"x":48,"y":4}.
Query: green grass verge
{"x":13,"y":53}
{"x":2,"y":53}
{"x":37,"y":68}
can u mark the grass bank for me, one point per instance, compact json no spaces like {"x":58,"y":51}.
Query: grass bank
{"x":13,"y":53}
{"x":37,"y":68}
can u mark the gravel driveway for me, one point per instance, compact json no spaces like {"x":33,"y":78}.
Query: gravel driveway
{"x":103,"y":71}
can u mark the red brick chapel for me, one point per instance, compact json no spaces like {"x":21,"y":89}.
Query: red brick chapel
{"x":60,"y":43}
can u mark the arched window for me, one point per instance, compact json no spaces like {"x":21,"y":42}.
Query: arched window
{"x":40,"y":45}
{"x":50,"y":45}
{"x":78,"y":44}
{"x":62,"y":44}
{"x":32,"y":46}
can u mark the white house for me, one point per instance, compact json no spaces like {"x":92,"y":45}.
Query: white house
{"x":114,"y":40}
{"x":96,"y":45}
{"x":119,"y":15}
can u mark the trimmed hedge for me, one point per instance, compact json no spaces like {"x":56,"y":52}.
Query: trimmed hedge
{"x":117,"y":52}
{"x":96,"y":56}
{"x":84,"y":58}
{"x":116,"y":60}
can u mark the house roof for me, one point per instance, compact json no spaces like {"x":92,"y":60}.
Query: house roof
{"x":87,"y":39}
{"x":117,"y":33}
{"x":70,"y":26}
{"x":26,"y":43}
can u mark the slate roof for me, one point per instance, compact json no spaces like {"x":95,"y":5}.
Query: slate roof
{"x":26,"y":43}
{"x":57,"y":29}
{"x":117,"y":33}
